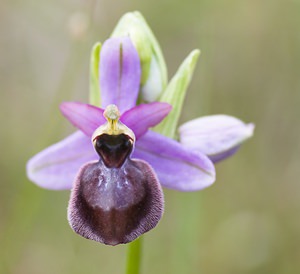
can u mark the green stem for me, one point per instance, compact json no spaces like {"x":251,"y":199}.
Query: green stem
{"x":134,"y":257}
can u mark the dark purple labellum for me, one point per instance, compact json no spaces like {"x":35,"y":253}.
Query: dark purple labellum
{"x":117,"y":199}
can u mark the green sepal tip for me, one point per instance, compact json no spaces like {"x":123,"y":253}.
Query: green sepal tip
{"x":95,"y":98}
{"x":174,"y":94}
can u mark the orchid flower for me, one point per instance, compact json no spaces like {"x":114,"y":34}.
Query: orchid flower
{"x":115,"y":163}
{"x":174,"y":165}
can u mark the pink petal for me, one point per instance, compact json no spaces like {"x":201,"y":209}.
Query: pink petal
{"x":141,"y":118}
{"x":85,"y":117}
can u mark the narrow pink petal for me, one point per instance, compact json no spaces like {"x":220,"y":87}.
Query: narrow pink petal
{"x":177,"y":167}
{"x":56,"y":166}
{"x":218,"y":136}
{"x":120,"y":73}
{"x":141,"y":118}
{"x":85,"y":117}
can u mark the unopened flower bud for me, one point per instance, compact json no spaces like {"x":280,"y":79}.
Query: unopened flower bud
{"x":154,"y":71}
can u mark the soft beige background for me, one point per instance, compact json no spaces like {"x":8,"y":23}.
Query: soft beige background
{"x":248,"y":222}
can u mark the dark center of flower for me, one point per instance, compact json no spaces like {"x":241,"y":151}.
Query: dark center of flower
{"x":113,"y":149}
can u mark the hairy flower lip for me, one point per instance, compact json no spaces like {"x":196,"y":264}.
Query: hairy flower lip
{"x":114,"y":215}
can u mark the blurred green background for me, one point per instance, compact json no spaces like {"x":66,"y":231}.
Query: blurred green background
{"x":247,"y":222}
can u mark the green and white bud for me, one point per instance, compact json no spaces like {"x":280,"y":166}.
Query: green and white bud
{"x":154,"y":70}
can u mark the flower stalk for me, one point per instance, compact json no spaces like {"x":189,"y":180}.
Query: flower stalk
{"x":134,"y":256}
